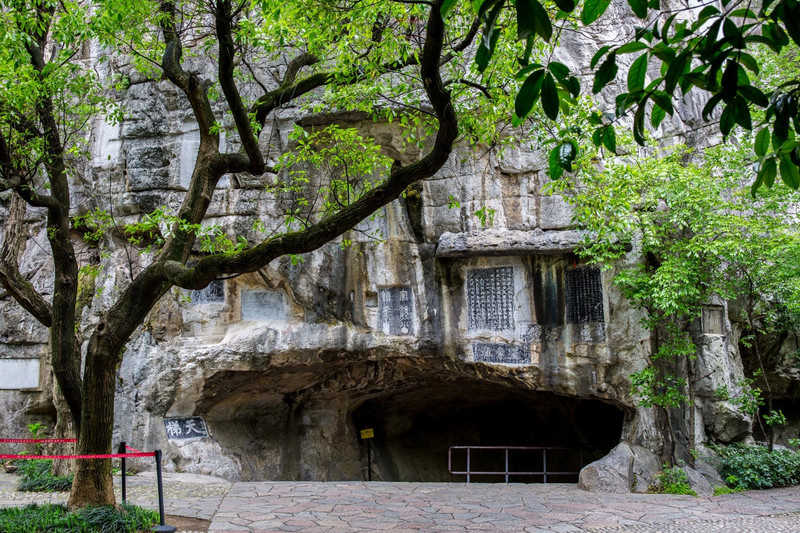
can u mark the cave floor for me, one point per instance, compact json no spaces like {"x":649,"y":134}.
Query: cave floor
{"x":221,"y":506}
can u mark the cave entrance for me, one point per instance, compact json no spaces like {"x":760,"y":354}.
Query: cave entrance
{"x":415,"y":428}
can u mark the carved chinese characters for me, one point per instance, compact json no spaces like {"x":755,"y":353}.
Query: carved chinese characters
{"x":490,"y":298}
{"x":185,"y":428}
{"x":395,"y":308}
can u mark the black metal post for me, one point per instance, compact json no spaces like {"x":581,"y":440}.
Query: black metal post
{"x":161,"y":528}
{"x":122,"y":449}
{"x":369,"y":461}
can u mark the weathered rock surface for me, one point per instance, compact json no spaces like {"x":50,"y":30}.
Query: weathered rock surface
{"x":625,"y":469}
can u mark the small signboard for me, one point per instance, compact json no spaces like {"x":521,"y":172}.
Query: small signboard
{"x":192,"y":427}
{"x":367,"y":434}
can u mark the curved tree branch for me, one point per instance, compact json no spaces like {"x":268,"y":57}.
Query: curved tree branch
{"x":249,"y":141}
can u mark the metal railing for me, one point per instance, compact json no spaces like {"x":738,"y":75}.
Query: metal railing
{"x":506,"y":472}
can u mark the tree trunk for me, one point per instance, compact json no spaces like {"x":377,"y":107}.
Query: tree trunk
{"x":64,"y":430}
{"x":93,"y":484}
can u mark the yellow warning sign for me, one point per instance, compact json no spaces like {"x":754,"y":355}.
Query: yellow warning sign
{"x":367,"y":433}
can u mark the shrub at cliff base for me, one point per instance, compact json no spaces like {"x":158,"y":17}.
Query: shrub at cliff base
{"x":747,"y":467}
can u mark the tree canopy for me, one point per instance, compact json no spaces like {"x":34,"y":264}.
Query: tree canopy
{"x":677,"y":50}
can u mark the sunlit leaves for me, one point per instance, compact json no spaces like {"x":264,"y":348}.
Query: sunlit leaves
{"x":593,"y":9}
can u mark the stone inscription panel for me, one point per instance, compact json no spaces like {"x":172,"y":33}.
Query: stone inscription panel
{"x":263,"y":305}
{"x":193,"y":427}
{"x":395,"y":310}
{"x":584,"y":295}
{"x":483,"y":352}
{"x":18,"y":374}
{"x":214,"y":293}
{"x":713,"y":320}
{"x":490,"y":298}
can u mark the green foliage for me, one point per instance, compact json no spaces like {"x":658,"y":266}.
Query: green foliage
{"x":655,"y":389}
{"x":672,"y":480}
{"x":720,"y":52}
{"x":722,"y":489}
{"x":36,"y":429}
{"x":39,"y":518}
{"x":775,"y":418}
{"x":35,"y":476}
{"x":746,"y":467}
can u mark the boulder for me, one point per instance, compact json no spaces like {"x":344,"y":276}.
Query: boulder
{"x":698,"y":482}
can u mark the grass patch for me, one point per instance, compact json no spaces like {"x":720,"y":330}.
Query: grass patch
{"x":55,"y":518}
{"x":35,"y":476}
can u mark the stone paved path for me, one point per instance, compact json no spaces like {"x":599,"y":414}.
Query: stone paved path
{"x":357,"y":506}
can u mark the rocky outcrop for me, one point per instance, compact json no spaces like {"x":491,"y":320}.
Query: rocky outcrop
{"x":625,"y":469}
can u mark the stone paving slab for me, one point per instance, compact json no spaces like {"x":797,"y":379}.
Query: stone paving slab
{"x":358,"y":506}
{"x":189,"y":495}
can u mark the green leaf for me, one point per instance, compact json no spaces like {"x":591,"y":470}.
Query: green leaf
{"x":761,"y":144}
{"x":556,"y":171}
{"x":727,"y":119}
{"x":790,"y":174}
{"x":559,"y":70}
{"x":572,"y":85}
{"x":657,"y":115}
{"x":741,"y":114}
{"x":529,"y":93}
{"x":446,"y":7}
{"x":754,"y":95}
{"x":663,"y":100}
{"x":592,"y":10}
{"x":639,"y":7}
{"x":597,"y":55}
{"x":550,"y":97}
{"x":675,"y":70}
{"x":567,"y":6}
{"x":637,"y":72}
{"x":610,"y":139}
{"x":638,"y":122}
{"x":606,"y":73}
{"x":532,"y":18}
{"x":706,"y":12}
{"x":633,"y":46}
{"x":567,"y":151}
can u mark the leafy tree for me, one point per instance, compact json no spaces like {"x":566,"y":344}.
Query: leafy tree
{"x":714,"y":49}
{"x":392,"y":61}
{"x":701,"y":237}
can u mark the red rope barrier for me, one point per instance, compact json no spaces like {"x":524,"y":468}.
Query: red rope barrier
{"x":37,"y":441}
{"x":98,"y":456}
{"x":133,"y":449}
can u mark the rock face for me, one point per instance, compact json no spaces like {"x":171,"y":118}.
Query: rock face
{"x":428,"y":325}
{"x":625,"y":469}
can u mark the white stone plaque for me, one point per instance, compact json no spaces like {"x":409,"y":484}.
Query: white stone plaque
{"x":19,"y":374}
{"x":193,"y":427}
{"x":263,"y":305}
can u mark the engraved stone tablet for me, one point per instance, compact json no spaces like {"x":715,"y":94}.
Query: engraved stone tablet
{"x":584,"y":295}
{"x":490,"y":298}
{"x":193,"y":427}
{"x":395,"y":308}
{"x":506,"y":354}
{"x":713,"y":323}
{"x":263,"y":305}
{"x":19,"y":373}
{"x":214,"y":293}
